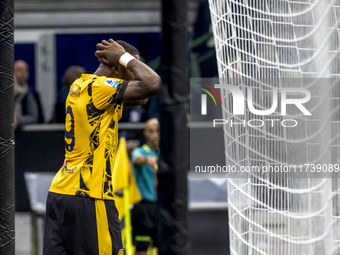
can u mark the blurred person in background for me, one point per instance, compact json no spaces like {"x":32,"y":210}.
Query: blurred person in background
{"x":143,"y":217}
{"x":27,"y":101}
{"x":25,"y":107}
{"x":70,"y":75}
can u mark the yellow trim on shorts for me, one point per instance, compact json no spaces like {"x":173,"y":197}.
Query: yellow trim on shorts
{"x":104,"y":237}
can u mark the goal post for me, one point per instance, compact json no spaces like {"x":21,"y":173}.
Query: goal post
{"x":290,"y":206}
{"x":7,"y":198}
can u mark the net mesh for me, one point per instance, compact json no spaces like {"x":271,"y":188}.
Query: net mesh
{"x":266,"y":44}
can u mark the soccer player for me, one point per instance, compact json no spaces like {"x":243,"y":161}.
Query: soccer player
{"x":81,"y":217}
{"x":143,"y":215}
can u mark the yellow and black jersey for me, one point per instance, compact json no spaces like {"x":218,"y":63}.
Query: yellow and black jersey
{"x":93,"y":108}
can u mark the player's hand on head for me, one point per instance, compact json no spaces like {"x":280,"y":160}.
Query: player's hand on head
{"x":109,"y":52}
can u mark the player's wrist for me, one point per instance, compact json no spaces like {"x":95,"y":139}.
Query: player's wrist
{"x":125,"y":59}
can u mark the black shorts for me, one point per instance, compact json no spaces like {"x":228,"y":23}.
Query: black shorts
{"x":77,"y":225}
{"x":144,"y":225}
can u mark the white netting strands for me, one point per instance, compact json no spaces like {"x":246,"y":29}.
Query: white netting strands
{"x":275,"y":44}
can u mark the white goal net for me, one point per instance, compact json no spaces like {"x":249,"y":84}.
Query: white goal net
{"x":267,"y":44}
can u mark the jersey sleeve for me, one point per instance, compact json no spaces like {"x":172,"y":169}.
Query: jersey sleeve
{"x":107,"y":91}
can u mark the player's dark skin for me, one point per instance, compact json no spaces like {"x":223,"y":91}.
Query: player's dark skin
{"x":143,"y":81}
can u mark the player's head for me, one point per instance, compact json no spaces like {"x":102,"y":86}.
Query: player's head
{"x":119,"y":71}
{"x":21,"y":71}
{"x":123,"y":72}
{"x":129,"y":48}
{"x":151,"y":132}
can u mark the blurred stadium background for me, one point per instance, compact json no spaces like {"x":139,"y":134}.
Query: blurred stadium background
{"x":53,"y":35}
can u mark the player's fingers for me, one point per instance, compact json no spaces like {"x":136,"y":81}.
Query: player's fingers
{"x":99,"y":53}
{"x":111,"y":40}
{"x":104,"y":42}
{"x":103,"y":60}
{"x":100,"y":46}
{"x":100,"y":56}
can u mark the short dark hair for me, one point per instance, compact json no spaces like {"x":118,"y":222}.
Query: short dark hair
{"x":128,"y":47}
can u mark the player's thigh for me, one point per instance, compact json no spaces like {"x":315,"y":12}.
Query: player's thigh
{"x":139,"y":218}
{"x":53,"y":237}
{"x":108,"y":228}
{"x":140,"y":226}
{"x":152,"y":225}
{"x":85,"y":226}
{"x":78,"y":220}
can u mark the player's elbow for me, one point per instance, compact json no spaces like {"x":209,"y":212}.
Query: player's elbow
{"x":155,"y":85}
{"x":136,"y":102}
{"x":143,"y":101}
{"x":151,"y":86}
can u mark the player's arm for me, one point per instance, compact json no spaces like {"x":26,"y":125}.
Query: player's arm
{"x":147,"y":81}
{"x":145,"y":160}
{"x":135,"y":103}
